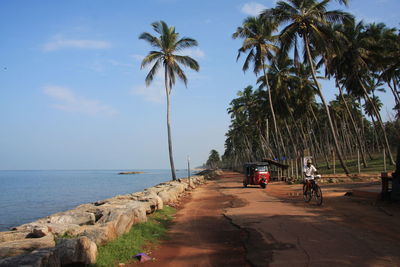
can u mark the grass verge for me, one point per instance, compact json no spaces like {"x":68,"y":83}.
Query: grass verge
{"x":137,"y":240}
{"x":376,"y":165}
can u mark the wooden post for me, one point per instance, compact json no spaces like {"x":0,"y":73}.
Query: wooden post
{"x":358,"y":160}
{"x":334,"y":163}
{"x":384,"y":160}
{"x":291,"y":169}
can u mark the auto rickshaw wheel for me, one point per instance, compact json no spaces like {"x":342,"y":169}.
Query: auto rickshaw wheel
{"x":263,"y":186}
{"x":244,"y":184}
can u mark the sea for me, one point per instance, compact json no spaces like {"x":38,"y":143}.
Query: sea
{"x":26,"y":196}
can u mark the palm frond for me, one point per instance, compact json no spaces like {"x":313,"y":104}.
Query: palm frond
{"x":187,"y":62}
{"x":153,"y":55}
{"x":152,"y":72}
{"x":185,"y":43}
{"x":152,"y":40}
{"x":176,"y":69}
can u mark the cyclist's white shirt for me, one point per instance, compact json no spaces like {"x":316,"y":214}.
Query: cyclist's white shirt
{"x":309,"y":171}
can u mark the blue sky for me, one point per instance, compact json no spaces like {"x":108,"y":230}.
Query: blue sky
{"x":73,"y":94}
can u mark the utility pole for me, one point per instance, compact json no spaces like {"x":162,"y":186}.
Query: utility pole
{"x":188,"y":164}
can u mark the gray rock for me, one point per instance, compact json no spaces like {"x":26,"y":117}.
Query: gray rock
{"x":23,"y":246}
{"x":77,"y":251}
{"x":39,"y":231}
{"x":13,"y":235}
{"x":73,"y":217}
{"x":55,"y":229}
{"x":172,"y":191}
{"x":100,"y":234}
{"x":122,"y":218}
{"x":38,"y":258}
{"x":150,"y":200}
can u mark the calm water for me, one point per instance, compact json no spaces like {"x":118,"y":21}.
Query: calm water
{"x":28,"y":195}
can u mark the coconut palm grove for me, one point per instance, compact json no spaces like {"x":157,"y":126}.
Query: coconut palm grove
{"x":284,"y":114}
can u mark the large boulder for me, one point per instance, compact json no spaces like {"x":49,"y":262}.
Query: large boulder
{"x":150,"y":200}
{"x":23,"y":246}
{"x":13,"y":235}
{"x":172,"y":191}
{"x":99,"y":234}
{"x":122,"y":218}
{"x":117,"y":218}
{"x":38,"y":258}
{"x":73,"y":217}
{"x":38,"y":228}
{"x":76,"y":251}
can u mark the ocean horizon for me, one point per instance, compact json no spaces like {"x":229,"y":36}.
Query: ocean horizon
{"x":27,"y":195}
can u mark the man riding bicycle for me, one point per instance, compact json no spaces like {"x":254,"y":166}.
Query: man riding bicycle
{"x":310,"y":188}
{"x":309,"y":173}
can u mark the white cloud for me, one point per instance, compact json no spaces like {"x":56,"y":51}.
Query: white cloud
{"x":154,"y":93}
{"x":196,"y":53}
{"x":70,"y":102}
{"x":252,"y":8}
{"x":137,"y":57}
{"x":103,"y":65}
{"x":58,"y":42}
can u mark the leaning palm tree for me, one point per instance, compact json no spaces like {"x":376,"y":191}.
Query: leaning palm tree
{"x":258,"y":42}
{"x":357,"y":63}
{"x":167,"y":46}
{"x":310,"y":22}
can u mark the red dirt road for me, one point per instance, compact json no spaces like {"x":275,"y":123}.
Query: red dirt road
{"x":224,"y":224}
{"x":201,"y":235}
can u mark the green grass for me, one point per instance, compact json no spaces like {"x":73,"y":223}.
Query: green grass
{"x":376,"y":165}
{"x":140,"y":237}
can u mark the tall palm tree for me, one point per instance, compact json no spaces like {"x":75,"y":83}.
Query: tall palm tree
{"x":258,"y":42}
{"x":167,"y":45}
{"x":337,"y":67}
{"x":309,"y":21}
{"x":357,"y":63}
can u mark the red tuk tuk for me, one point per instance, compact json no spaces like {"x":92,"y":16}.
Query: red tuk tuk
{"x":256,"y":173}
{"x":260,"y":173}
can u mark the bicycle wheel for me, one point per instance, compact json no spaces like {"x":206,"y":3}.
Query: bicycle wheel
{"x":318,"y":194}
{"x":306,"y":193}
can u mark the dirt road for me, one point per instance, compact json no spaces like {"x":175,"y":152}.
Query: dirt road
{"x":225,"y":224}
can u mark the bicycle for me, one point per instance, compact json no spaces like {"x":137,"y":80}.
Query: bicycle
{"x":312,"y":190}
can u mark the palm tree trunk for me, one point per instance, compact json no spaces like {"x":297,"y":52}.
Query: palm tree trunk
{"x":295,"y":124}
{"x":271,"y":106}
{"x":395,"y":94}
{"x":339,"y":153}
{"x":319,"y":130}
{"x":282,"y":144}
{"x":378,"y":117}
{"x":290,"y":137}
{"x":168,"y":92}
{"x":353,"y":123}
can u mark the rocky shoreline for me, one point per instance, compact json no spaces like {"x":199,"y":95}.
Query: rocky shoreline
{"x":72,"y":237}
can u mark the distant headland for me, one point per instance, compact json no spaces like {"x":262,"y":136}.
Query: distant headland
{"x":130,"y":172}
